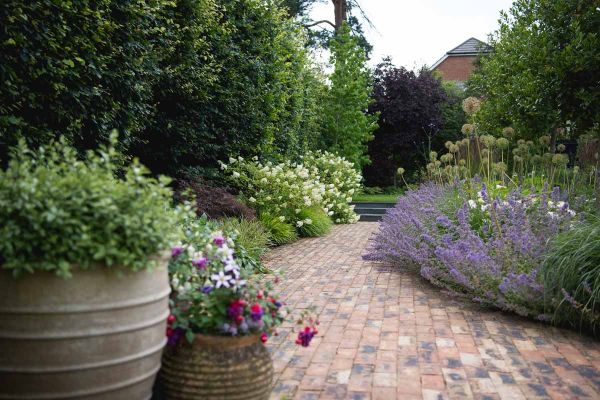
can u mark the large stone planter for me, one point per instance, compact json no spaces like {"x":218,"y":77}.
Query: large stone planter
{"x":96,"y":336}
{"x":215,"y":367}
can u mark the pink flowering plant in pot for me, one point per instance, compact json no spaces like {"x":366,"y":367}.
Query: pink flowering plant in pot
{"x":222,"y":314}
{"x":212,"y":294}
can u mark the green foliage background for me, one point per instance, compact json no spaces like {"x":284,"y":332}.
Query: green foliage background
{"x":347,"y":127}
{"x":544,"y":69}
{"x":186,"y":82}
{"x":77,"y":68}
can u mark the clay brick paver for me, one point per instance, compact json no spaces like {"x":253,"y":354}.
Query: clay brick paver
{"x":388,"y":334}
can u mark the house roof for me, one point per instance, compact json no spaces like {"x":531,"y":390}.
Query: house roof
{"x":470,"y":47}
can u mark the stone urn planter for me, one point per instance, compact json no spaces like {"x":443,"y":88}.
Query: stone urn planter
{"x":97,"y":335}
{"x":217,"y":367}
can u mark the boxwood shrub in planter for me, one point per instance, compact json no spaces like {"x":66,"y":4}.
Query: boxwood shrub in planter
{"x":83,"y":275}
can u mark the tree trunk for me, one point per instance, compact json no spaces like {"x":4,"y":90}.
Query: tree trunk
{"x":553,"y":137}
{"x":340,"y":9}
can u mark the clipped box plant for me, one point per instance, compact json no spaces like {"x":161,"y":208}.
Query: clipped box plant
{"x":57,"y":211}
{"x":82,"y":251}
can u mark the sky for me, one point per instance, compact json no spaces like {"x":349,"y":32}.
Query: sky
{"x":418,"y":32}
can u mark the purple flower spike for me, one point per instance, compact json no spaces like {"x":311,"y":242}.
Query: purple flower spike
{"x":495,"y":260}
{"x":219,"y":240}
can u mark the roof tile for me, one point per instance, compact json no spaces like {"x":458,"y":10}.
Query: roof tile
{"x":470,"y":46}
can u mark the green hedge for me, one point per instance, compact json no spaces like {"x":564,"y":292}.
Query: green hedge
{"x":186,"y":82}
{"x":77,"y":68}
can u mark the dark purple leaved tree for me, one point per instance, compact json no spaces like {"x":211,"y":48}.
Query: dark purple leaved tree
{"x":410,"y":107}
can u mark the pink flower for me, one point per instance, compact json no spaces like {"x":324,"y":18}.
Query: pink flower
{"x":219,"y":240}
{"x":305,"y":336}
{"x":256,"y":312}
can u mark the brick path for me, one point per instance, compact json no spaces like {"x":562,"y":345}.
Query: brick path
{"x":387,"y":334}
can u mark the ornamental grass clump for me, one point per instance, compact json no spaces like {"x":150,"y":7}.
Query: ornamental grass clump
{"x":571,"y":277}
{"x":58,"y":211}
{"x":213,"y":295}
{"x":474,"y":243}
{"x":251,"y":235}
{"x":280,"y":232}
{"x":314,"y":222}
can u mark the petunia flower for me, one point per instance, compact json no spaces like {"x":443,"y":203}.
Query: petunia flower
{"x":221,"y":280}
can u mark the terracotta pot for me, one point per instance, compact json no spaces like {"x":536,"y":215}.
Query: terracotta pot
{"x":217,"y":367}
{"x":98,"y":335}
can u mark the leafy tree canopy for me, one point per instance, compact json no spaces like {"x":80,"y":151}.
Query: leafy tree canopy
{"x":347,"y":126}
{"x":409,"y":105}
{"x":544,"y":72}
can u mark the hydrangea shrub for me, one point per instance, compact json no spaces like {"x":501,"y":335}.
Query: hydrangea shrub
{"x":341,"y":181}
{"x":283,"y":190}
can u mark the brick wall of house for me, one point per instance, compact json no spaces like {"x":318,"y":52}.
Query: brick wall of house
{"x":456,"y":68}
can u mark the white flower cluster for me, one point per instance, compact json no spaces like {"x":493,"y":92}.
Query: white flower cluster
{"x":208,"y":262}
{"x":280,"y":190}
{"x":554,"y":209}
{"x":341,"y":182}
{"x":284,"y":189}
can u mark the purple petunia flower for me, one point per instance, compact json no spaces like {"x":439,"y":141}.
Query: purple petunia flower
{"x":200,"y":263}
{"x":176,"y":251}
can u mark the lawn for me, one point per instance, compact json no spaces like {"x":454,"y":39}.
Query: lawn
{"x":376,"y":198}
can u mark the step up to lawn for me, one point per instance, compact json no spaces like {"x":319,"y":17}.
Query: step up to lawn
{"x":371,"y":211}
